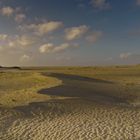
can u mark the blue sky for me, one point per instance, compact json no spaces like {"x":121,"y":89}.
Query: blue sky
{"x":69,"y":32}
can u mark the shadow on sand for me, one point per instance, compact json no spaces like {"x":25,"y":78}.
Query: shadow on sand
{"x":79,"y":90}
{"x":76,"y":77}
{"x":84,"y":88}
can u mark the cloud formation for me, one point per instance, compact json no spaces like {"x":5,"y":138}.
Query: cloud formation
{"x":21,"y":41}
{"x":75,"y":32}
{"x":25,"y":40}
{"x":125,"y":55}
{"x":129,"y":55}
{"x":100,"y":4}
{"x":7,"y":11}
{"x":51,"y":48}
{"x":25,"y":58}
{"x":42,"y":28}
{"x":1,"y":48}
{"x":15,"y":13}
{"x":95,"y":36}
{"x":138,"y":2}
{"x":3,"y":37}
{"x":20,"y":17}
{"x":16,"y":41}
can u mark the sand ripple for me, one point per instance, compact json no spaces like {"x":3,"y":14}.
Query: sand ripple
{"x":70,"y":120}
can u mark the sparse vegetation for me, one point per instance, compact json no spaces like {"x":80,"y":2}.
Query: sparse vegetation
{"x":97,"y":101}
{"x":20,"y":88}
{"x":126,"y":78}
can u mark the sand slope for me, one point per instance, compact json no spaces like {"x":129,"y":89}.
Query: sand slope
{"x":79,"y":116}
{"x":70,"y":120}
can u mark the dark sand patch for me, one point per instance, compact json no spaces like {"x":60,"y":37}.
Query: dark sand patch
{"x":91,"y":114}
{"x":85,"y":88}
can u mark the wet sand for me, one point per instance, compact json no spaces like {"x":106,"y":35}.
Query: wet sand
{"x":86,"y":113}
{"x":85,"y":88}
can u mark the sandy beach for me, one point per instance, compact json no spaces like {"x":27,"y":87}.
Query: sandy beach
{"x":69,"y":69}
{"x":78,"y":116}
{"x":70,"y":120}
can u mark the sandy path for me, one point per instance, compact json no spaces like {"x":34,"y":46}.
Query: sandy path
{"x":72,"y":119}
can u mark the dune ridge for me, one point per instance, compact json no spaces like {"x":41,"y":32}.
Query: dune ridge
{"x":84,"y":113}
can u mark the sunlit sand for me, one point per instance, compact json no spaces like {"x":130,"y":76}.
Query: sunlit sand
{"x":75,"y":107}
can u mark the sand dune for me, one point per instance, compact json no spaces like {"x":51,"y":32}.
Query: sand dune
{"x":70,"y":120}
{"x":102,"y":117}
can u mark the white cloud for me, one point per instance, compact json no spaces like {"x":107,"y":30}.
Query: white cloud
{"x":17,"y":41}
{"x":20,"y":17}
{"x":100,"y":4}
{"x":138,"y":2}
{"x":3,"y":37}
{"x":95,"y":36}
{"x":1,"y":48}
{"x":62,"y":47}
{"x":130,"y":56}
{"x":42,"y":28}
{"x":46,"y":48}
{"x":15,"y":13}
{"x":51,"y":48}
{"x":25,"y":40}
{"x":25,"y":58}
{"x":7,"y":11}
{"x":15,"y":44}
{"x":75,"y":32}
{"x":3,"y":41}
{"x":125,"y":55}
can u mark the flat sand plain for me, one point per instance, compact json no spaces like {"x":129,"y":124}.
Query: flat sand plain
{"x":70,"y":120}
{"x":80,"y":109}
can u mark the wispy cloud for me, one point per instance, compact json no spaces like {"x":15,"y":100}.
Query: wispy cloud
{"x":42,"y":28}
{"x":51,"y":48}
{"x":23,"y":41}
{"x":25,"y":58}
{"x":7,"y":11}
{"x":138,"y":2}
{"x":20,"y":17}
{"x":100,"y":4}
{"x":75,"y":32}
{"x":16,"y":41}
{"x":3,"y":37}
{"x":1,"y":48}
{"x":95,"y":36}
{"x":130,"y":57}
{"x":16,"y":13}
{"x":125,"y":55}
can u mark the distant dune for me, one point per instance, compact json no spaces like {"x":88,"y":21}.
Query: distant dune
{"x":9,"y":68}
{"x":70,"y":103}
